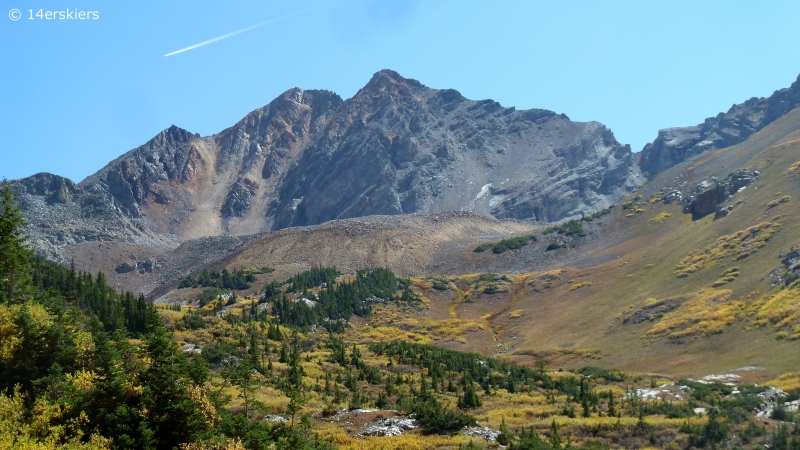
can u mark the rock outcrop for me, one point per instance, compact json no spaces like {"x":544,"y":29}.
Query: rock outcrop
{"x":709,"y":196}
{"x":673,"y":145}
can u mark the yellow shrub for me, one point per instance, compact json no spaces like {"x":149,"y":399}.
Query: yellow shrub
{"x":787,"y":381}
{"x":727,"y":276}
{"x":565,"y":353}
{"x":407,"y":442}
{"x":776,"y":202}
{"x":19,"y":431}
{"x":795,"y":167}
{"x":660,"y":217}
{"x":736,"y":246}
{"x":11,"y":333}
{"x":706,"y":312}
{"x":389,"y":334}
{"x":580,"y":285}
{"x":782,"y":310}
{"x":516,"y":314}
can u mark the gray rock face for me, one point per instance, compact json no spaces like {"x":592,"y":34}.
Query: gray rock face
{"x":399,"y":147}
{"x":137,"y":177}
{"x":674,"y":145}
{"x":126,"y":267}
{"x":308,"y":157}
{"x":53,"y":188}
{"x":237,"y":203}
{"x":709,"y":195}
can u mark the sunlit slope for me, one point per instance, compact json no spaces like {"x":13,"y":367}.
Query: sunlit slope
{"x":405,"y":244}
{"x":670,"y":294}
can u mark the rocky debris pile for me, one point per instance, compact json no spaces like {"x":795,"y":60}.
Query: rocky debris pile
{"x":709,"y":196}
{"x":770,"y":399}
{"x":147,"y":266}
{"x":669,"y":391}
{"x":748,"y":369}
{"x":393,"y":426}
{"x":789,"y":271}
{"x":189,"y":259}
{"x":308,"y":302}
{"x":346,"y":413}
{"x":275,"y":419}
{"x":727,"y":378}
{"x":191,"y":348}
{"x":485,"y":433}
{"x":126,"y":267}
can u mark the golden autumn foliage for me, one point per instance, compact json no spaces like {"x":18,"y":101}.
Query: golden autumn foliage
{"x":707,"y":312}
{"x":734,"y":246}
{"x":787,"y":381}
{"x":661,"y":217}
{"x":782,"y":311}
{"x":580,"y":285}
{"x":778,"y":201}
{"x":37,"y":432}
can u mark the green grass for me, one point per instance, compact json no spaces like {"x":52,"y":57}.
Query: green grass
{"x":506,"y":244}
{"x":573,"y":227}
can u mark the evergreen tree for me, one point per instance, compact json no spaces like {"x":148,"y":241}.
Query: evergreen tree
{"x":611,"y":407}
{"x":715,"y":431}
{"x":555,"y":437}
{"x":470,"y":399}
{"x":171,"y":412}
{"x":284,"y":353}
{"x":14,"y":252}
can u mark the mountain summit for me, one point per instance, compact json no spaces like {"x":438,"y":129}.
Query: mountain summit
{"x":396,"y":147}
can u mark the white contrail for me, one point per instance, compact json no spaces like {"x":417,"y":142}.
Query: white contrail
{"x":234,"y":33}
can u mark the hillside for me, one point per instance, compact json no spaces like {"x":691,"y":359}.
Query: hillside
{"x":667,"y":293}
{"x":691,"y":284}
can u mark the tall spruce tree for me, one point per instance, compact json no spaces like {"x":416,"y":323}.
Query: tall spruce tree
{"x":14,"y":252}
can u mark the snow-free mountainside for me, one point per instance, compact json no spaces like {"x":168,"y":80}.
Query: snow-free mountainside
{"x":408,"y":268}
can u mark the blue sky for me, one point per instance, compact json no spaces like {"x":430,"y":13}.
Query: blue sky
{"x":75,"y":95}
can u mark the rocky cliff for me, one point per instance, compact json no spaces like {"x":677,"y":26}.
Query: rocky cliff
{"x":396,"y":147}
{"x":674,"y":145}
{"x":400,"y":147}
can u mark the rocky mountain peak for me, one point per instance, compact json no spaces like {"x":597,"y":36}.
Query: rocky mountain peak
{"x":54,"y":188}
{"x":171,"y":136}
{"x":674,"y":145}
{"x":307,"y":157}
{"x":388,"y":83}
